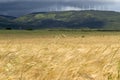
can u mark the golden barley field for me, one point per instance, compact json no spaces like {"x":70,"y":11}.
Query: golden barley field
{"x":59,"y":55}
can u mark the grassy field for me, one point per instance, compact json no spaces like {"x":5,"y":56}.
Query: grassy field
{"x":59,"y":55}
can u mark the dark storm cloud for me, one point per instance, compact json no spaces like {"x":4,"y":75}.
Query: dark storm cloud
{"x":17,"y":7}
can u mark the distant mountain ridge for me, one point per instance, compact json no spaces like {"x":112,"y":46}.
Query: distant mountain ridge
{"x":88,"y":19}
{"x":8,"y":17}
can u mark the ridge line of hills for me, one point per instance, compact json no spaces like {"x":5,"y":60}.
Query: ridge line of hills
{"x":88,"y":19}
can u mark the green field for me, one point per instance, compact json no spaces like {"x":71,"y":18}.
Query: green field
{"x":52,"y":33}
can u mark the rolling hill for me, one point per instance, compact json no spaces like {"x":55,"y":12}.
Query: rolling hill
{"x":88,"y":19}
{"x":6,"y":22}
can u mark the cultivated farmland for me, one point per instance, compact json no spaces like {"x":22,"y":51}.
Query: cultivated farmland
{"x":59,"y":55}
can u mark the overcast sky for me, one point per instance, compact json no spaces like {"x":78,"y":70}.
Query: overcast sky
{"x":22,"y":7}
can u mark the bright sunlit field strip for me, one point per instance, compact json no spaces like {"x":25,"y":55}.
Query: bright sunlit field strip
{"x":45,"y":55}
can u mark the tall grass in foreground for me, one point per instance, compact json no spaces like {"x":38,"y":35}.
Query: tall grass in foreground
{"x":60,"y":58}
